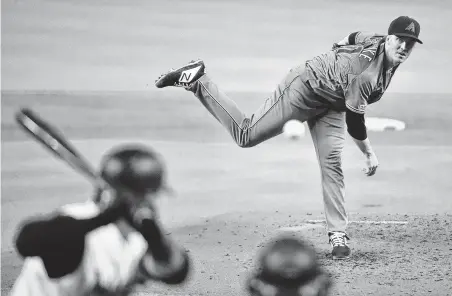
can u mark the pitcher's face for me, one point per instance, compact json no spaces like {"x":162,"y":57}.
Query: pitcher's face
{"x":398,"y":48}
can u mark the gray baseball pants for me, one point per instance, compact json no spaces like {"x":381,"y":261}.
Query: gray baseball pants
{"x":293,"y":99}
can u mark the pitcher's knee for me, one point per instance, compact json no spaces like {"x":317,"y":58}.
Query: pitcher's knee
{"x":246,"y":143}
{"x":245,"y":139}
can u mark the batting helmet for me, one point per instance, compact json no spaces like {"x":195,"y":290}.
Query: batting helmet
{"x":134,"y":167}
{"x":288,"y":266}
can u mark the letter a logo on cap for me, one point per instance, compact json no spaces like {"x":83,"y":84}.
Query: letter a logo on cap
{"x":411,"y":28}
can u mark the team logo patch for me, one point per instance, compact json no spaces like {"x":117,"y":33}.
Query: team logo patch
{"x":368,"y":53}
{"x":411,"y":28}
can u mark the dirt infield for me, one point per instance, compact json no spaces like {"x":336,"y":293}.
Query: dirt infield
{"x":412,"y":259}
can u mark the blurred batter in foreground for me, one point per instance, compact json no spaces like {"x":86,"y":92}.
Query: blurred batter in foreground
{"x":330,"y":91}
{"x":105,"y":246}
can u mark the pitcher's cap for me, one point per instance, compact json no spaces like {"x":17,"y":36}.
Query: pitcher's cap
{"x":405,"y":26}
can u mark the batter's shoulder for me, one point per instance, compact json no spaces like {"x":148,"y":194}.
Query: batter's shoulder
{"x":81,"y":210}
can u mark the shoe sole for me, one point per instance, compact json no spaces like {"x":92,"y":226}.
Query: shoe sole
{"x":178,"y":69}
{"x":341,"y":258}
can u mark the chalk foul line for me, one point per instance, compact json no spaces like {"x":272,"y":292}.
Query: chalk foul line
{"x":310,"y":224}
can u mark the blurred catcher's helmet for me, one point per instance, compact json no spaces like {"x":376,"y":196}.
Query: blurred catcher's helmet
{"x":135,"y":168}
{"x":288,"y":267}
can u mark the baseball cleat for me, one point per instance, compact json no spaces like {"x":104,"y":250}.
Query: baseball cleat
{"x":338,"y":241}
{"x":184,"y":76}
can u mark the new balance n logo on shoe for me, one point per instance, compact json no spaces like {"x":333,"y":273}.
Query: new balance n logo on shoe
{"x":188,"y":75}
{"x":184,"y":76}
{"x":411,"y":28}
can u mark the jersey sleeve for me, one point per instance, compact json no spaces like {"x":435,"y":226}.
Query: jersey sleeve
{"x":357,"y":94}
{"x":356,"y":125}
{"x":363,"y":37}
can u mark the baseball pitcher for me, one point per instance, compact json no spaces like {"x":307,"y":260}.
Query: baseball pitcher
{"x":330,"y":91}
{"x":105,"y":246}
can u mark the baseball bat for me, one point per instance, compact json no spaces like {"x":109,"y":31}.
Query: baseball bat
{"x":52,"y":139}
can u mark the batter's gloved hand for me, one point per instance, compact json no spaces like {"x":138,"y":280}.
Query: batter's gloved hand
{"x":141,"y":210}
{"x":371,"y":164}
{"x":125,"y":205}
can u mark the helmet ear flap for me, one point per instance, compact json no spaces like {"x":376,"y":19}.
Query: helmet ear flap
{"x":97,"y":196}
{"x":251,"y":286}
{"x":256,"y":287}
{"x":103,"y":197}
